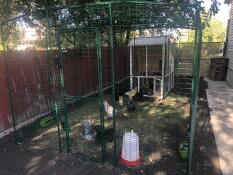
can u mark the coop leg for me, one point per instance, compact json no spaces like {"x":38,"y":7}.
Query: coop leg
{"x":169,"y":83}
{"x":162,"y":89}
{"x":138,"y":84}
{"x":154,"y":87}
{"x":131,"y":69}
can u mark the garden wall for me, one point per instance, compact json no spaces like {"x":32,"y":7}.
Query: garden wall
{"x":5,"y":114}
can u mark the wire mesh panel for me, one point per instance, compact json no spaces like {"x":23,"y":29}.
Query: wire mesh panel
{"x":146,"y":116}
{"x":81,"y":78}
{"x":158,"y":124}
{"x":111,"y":75}
{"x":184,"y":63}
{"x":28,"y":75}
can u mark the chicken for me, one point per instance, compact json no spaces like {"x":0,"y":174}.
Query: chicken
{"x":63,"y":125}
{"x":109,"y":109}
{"x":139,"y":96}
{"x":131,"y":93}
{"x":121,"y":100}
{"x":131,"y":103}
{"x":108,"y":133}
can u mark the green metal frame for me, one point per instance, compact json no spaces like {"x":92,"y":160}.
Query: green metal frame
{"x":60,"y":104}
{"x":67,"y":97}
{"x":113,"y":84}
{"x":195,"y":86}
{"x":195,"y":80}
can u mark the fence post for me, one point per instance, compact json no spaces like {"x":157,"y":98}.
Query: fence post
{"x":195,"y":85}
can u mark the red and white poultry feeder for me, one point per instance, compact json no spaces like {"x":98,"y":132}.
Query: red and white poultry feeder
{"x":130,"y":155}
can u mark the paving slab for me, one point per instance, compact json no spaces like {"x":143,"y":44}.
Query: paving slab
{"x":220,"y":101}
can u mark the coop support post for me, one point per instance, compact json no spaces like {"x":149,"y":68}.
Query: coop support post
{"x":154,"y":86}
{"x":169,"y":64}
{"x":138,"y":84}
{"x":195,"y":85}
{"x":169,"y":82}
{"x":146,"y":64}
{"x":131,"y":68}
{"x":173,"y":70}
{"x":113,"y":85}
{"x":163,"y":66}
{"x":173,"y":79}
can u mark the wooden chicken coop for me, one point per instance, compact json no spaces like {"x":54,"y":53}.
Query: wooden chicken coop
{"x":152,"y":65}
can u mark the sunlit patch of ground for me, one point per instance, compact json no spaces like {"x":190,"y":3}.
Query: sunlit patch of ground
{"x":156,"y":122}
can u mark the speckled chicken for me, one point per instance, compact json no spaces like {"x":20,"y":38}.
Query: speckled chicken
{"x":109,"y":109}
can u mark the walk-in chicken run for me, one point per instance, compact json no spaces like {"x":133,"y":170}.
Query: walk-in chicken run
{"x":118,"y":90}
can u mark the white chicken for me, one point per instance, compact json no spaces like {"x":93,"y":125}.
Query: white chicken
{"x":109,"y":109}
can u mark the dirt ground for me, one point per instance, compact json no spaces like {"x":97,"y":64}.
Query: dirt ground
{"x":206,"y":157}
{"x":36,"y":153}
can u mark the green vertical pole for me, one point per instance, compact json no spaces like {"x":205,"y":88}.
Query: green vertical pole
{"x":113,"y":84}
{"x":52,"y":76}
{"x":58,"y":125}
{"x":49,"y":52}
{"x":195,"y":85}
{"x":101,"y":95}
{"x":63,"y":105}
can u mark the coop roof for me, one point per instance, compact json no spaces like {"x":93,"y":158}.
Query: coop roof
{"x":149,"y":41}
{"x":227,"y":1}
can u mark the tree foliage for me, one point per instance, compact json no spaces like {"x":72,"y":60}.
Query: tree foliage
{"x":215,"y":31}
{"x":96,"y":17}
{"x":8,"y":9}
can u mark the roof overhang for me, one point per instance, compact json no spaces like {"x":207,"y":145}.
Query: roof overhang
{"x":149,"y":41}
{"x":227,"y":1}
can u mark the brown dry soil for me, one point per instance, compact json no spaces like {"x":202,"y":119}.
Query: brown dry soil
{"x":26,"y":159}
